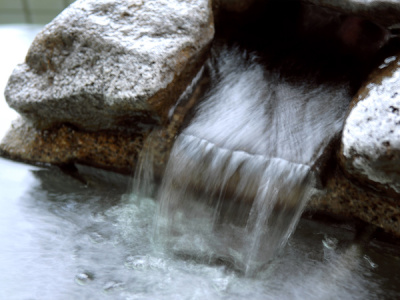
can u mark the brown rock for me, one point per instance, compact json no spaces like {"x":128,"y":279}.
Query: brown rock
{"x":61,"y":145}
{"x":343,"y":199}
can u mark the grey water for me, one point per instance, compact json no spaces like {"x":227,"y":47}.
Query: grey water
{"x":239,"y":175}
{"x":62,"y":238}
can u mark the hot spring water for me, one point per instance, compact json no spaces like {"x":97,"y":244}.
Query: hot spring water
{"x":239,"y":175}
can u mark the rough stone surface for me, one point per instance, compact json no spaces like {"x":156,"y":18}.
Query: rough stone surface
{"x":384,"y":12}
{"x":344,"y":200}
{"x":63,"y":145}
{"x":103,"y":64}
{"x":371,"y":136}
{"x":113,"y":150}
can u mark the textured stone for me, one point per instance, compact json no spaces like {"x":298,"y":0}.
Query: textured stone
{"x":63,"y":145}
{"x":112,"y":63}
{"x":371,"y":136}
{"x":341,"y":198}
{"x":113,"y":150}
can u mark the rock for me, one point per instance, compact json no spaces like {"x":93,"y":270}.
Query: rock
{"x":385,"y":13}
{"x":113,"y":150}
{"x":63,"y":145}
{"x":346,"y":201}
{"x":112,"y":63}
{"x":370,"y":150}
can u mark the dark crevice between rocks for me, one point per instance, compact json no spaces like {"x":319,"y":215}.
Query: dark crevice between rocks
{"x":303,"y":40}
{"x":327,"y":162}
{"x":71,"y":170}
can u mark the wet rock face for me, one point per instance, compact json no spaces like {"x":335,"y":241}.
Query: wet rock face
{"x":345,"y":199}
{"x":384,"y":12}
{"x":342,"y":33}
{"x":112,"y":63}
{"x":370,"y":150}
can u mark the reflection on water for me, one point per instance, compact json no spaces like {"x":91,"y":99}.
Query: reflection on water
{"x":63,"y":239}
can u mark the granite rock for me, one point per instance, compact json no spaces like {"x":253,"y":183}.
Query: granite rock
{"x":370,"y":150}
{"x":112,"y":63}
{"x":114,"y":150}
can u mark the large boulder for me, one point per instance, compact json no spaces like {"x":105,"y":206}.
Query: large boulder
{"x":101,"y":75}
{"x":112,"y":63}
{"x":370,"y":151}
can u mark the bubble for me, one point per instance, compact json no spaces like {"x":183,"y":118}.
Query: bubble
{"x":84,"y":278}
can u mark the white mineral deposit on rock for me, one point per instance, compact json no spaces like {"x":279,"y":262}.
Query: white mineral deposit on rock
{"x":371,"y":136}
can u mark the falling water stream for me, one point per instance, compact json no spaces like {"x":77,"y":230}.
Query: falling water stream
{"x":239,"y":174}
{"x":223,"y":223}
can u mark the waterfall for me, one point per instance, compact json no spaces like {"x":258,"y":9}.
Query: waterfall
{"x":221,"y":204}
{"x":240,"y":173}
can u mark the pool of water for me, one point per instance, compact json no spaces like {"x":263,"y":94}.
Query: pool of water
{"x":64,"y":238}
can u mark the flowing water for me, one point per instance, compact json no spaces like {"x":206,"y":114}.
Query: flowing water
{"x":239,"y":174}
{"x":64,"y":238}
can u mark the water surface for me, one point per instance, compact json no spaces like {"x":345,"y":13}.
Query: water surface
{"x":64,"y":239}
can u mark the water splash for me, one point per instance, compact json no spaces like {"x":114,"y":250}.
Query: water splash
{"x":218,"y":204}
{"x":239,"y":175}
